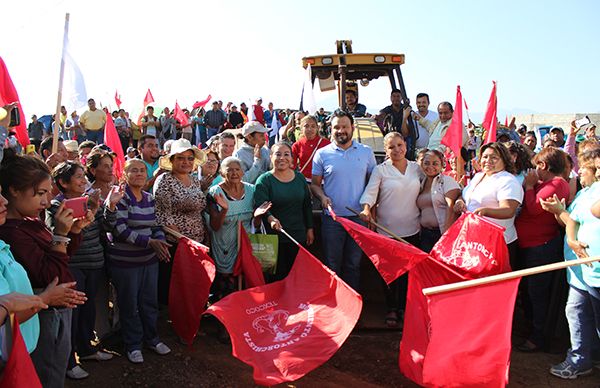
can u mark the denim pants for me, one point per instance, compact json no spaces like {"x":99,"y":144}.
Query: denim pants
{"x":429,"y":237}
{"x":96,"y":136}
{"x":210,"y":132}
{"x":84,"y":316}
{"x":341,"y":253}
{"x":583,"y":316}
{"x":51,"y":355}
{"x":138,"y":304}
{"x":539,"y":286}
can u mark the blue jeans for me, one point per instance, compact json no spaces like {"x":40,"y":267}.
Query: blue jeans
{"x":96,"y":136}
{"x":51,"y":356}
{"x":210,"y":132}
{"x":583,"y":316}
{"x":138,"y":304}
{"x":341,"y":253}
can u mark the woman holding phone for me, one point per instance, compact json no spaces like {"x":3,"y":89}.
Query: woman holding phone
{"x":26,"y":181}
{"x":87,"y":262}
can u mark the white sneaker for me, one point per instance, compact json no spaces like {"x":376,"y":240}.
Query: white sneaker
{"x":135,"y":356}
{"x":161,"y":348}
{"x":100,"y":355}
{"x":77,"y":373}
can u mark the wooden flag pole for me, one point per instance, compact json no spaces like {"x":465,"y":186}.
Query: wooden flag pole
{"x":507,"y":276}
{"x":60,"y":86}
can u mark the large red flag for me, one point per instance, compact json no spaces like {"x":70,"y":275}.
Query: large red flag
{"x":246,"y":264}
{"x":202,"y":104}
{"x":180,"y":115}
{"x":287,"y":328}
{"x":473,"y":247}
{"x":470,"y":339}
{"x":391,"y":258}
{"x":192,"y":276}
{"x":490,"y":120}
{"x":111,"y":139}
{"x":19,"y":370}
{"x":453,"y":138}
{"x":118,"y":99}
{"x":8,"y":94}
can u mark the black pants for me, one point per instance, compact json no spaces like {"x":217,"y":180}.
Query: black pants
{"x":395,"y":293}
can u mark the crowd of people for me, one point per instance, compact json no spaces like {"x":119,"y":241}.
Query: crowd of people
{"x":266,"y":169}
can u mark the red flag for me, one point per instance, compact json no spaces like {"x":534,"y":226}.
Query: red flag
{"x":148,"y":99}
{"x":19,"y":370}
{"x":111,"y":139}
{"x":475,"y":323}
{"x":180,"y":115}
{"x":192,"y":276}
{"x":490,"y":120}
{"x":453,"y":138}
{"x":287,"y":328}
{"x":118,"y":99}
{"x":391,"y":258}
{"x":473,"y":247}
{"x":506,"y":121}
{"x":8,"y":94}
{"x":202,"y":104}
{"x":246,"y":263}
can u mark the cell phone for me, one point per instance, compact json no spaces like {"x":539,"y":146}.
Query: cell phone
{"x":15,"y":117}
{"x":581,"y":122}
{"x":79,"y":206}
{"x":30,"y":149}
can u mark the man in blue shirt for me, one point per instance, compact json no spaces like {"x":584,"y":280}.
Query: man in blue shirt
{"x":149,"y":153}
{"x":340,"y":173}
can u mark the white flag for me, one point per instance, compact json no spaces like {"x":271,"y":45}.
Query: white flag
{"x":274,"y":125}
{"x":308,"y":96}
{"x":74,"y":95}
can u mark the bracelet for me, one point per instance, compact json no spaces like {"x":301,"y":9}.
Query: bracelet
{"x":57,"y":238}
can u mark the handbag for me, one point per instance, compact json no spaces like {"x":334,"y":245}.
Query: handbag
{"x":265,"y":249}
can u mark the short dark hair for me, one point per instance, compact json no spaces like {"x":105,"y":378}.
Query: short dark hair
{"x":554,"y":158}
{"x":339,"y":113}
{"x":446,"y":103}
{"x":423,"y":95}
{"x":351,"y":91}
{"x":143,"y":139}
{"x":91,"y":100}
{"x":226,"y":135}
{"x":65,"y":171}
{"x":149,"y":107}
{"x":395,"y":91}
{"x":46,"y":145}
{"x":503,"y":152}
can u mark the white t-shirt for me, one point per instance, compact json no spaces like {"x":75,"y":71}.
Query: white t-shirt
{"x":489,"y":192}
{"x":396,"y":194}
{"x":423,"y":139}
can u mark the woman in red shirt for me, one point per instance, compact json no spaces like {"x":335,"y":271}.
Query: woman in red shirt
{"x":305,"y":148}
{"x":539,"y":235}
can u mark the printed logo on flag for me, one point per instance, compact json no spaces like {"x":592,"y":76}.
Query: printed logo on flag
{"x":284,"y":328}
{"x":468,"y":254}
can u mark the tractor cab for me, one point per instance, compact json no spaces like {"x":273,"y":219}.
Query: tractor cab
{"x":344,"y":71}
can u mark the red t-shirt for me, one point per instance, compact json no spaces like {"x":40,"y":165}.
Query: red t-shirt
{"x":303,"y":153}
{"x":259,"y":113}
{"x":535,"y":226}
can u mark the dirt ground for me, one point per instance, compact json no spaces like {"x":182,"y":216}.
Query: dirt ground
{"x":369,"y":358}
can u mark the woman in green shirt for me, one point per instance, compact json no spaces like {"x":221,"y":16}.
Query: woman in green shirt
{"x":291,"y":207}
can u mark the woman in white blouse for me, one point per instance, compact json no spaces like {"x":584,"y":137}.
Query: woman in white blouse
{"x":495,"y":193}
{"x":394,"y":187}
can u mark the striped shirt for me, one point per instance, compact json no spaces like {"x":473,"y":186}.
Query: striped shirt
{"x":132,"y":225}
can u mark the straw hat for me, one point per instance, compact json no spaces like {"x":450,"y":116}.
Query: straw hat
{"x":180,"y":146}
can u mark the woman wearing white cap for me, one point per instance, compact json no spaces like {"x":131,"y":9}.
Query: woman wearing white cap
{"x":179,"y":200}
{"x":254,"y":156}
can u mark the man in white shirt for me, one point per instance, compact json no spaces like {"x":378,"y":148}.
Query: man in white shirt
{"x":437,"y":129}
{"x":423,"y":109}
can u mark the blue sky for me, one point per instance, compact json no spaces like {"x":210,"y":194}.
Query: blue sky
{"x":544,"y":54}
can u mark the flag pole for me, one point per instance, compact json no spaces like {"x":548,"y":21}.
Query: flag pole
{"x":288,"y":236}
{"x":179,"y":235}
{"x":507,"y":276}
{"x":60,"y":86}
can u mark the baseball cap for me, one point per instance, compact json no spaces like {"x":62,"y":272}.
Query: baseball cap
{"x":253,"y":126}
